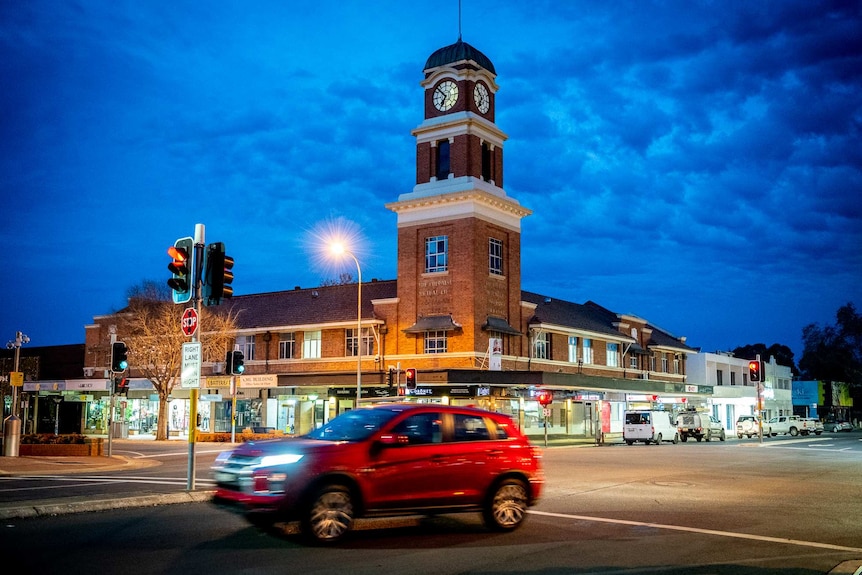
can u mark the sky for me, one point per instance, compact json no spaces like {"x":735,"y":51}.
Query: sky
{"x":694,"y":163}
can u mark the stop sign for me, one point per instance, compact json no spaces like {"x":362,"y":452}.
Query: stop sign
{"x":190,"y":321}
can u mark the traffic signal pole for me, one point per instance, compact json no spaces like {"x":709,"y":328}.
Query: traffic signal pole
{"x":193,"y":392}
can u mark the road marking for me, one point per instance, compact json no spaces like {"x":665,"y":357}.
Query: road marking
{"x":701,"y":531}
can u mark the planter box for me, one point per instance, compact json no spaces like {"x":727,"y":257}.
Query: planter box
{"x":91,"y":448}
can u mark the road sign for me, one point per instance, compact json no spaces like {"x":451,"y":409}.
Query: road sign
{"x":190,"y":321}
{"x":16,"y":378}
{"x":191,"y":374}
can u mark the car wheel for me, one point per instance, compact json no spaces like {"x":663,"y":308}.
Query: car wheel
{"x":699,"y":438}
{"x":329,"y":515}
{"x":723,"y":436}
{"x":629,"y":442}
{"x":507,"y":506}
{"x":739,"y":436}
{"x":817,"y":432}
{"x":658,"y":439}
{"x":794,"y":432}
{"x":684,"y":438}
{"x":675,"y":438}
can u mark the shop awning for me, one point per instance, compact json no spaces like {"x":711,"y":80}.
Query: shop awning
{"x":500,"y":325}
{"x":433,"y":323}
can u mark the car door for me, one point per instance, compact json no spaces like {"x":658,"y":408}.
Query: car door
{"x":411,"y":471}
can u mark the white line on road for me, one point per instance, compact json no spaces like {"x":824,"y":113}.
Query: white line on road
{"x":702,"y":531}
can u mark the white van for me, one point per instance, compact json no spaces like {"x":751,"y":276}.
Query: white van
{"x":649,"y":426}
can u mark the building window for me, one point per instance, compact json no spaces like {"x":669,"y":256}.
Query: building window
{"x":652,"y":363}
{"x":287,"y":346}
{"x":633,"y":361}
{"x":443,"y":159}
{"x":573,"y":349}
{"x":677,"y":365}
{"x":435,"y":341}
{"x":311,"y":344}
{"x":613,"y":358}
{"x":719,"y":377}
{"x":588,"y":350}
{"x":486,"y":162}
{"x":664,"y":365}
{"x":246,"y":345}
{"x":367,"y":342}
{"x":541,"y":345}
{"x":732,"y":378}
{"x":436,"y":254}
{"x":495,"y":257}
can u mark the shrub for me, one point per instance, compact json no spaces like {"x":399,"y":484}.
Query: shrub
{"x":51,"y":439}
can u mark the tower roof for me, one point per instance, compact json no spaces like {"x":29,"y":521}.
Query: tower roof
{"x":457,"y":52}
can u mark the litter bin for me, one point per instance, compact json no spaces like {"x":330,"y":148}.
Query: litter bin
{"x":120,"y":429}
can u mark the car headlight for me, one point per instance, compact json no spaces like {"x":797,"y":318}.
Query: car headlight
{"x":284,"y":459}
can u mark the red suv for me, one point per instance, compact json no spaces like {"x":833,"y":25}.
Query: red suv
{"x":385,"y":460}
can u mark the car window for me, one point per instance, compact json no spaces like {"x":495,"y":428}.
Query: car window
{"x":470,"y":428}
{"x":637,"y":418}
{"x":353,"y":425}
{"x":420,"y":428}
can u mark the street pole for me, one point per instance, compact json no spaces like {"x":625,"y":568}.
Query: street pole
{"x":193,"y":392}
{"x":760,"y":404}
{"x":12,"y":424}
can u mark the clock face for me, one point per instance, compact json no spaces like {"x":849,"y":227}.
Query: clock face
{"x":445,"y":95}
{"x":480,"y":96}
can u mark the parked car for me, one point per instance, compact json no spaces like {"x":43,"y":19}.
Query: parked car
{"x":783,"y":425}
{"x":699,"y":426}
{"x":811,"y":425}
{"x":385,"y":460}
{"x":746,"y":425}
{"x":649,"y":426}
{"x":836,"y":426}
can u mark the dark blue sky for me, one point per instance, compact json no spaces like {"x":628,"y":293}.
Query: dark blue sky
{"x":694,"y":163}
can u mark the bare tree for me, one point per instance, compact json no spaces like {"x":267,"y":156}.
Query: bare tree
{"x":151,"y":327}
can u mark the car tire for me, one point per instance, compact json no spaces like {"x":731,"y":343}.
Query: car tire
{"x":329,"y":515}
{"x":723,"y":436}
{"x":794,"y":432}
{"x":817,"y":432}
{"x":675,"y":438}
{"x":739,"y":436}
{"x":699,"y":438}
{"x":658,"y":439}
{"x":506,"y":507}
{"x":684,"y":438}
{"x":629,"y":442}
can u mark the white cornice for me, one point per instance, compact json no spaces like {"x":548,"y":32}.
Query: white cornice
{"x":458,"y":198}
{"x":452,"y":125}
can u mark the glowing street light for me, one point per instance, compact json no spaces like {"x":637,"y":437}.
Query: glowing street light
{"x":338,"y":249}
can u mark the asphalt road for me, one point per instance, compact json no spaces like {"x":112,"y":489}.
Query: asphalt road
{"x":791,"y":505}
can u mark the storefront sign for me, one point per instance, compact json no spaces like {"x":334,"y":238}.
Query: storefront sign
{"x":263,"y":380}
{"x":218,"y":381}
{"x":210,"y":397}
{"x":78,"y":398}
{"x":87,"y":385}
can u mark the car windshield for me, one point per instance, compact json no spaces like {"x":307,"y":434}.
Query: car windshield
{"x":354,"y":425}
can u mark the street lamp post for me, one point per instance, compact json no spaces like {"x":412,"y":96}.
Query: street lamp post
{"x":339,"y":249}
{"x":12,"y":424}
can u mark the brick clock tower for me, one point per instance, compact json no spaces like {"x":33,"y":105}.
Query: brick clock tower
{"x":459,"y":234}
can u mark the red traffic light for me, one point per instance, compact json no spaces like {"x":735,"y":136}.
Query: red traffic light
{"x":410,"y":376}
{"x":544,"y":398}
{"x":755,"y":371}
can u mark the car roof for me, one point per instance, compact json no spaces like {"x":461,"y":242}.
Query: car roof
{"x":403,"y":407}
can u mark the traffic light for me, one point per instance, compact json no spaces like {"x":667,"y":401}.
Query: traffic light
{"x":218,"y":275}
{"x":390,"y":377}
{"x":755,"y":371}
{"x":234,"y":363}
{"x":182,"y":268}
{"x":544,"y":398}
{"x":121,"y":385}
{"x":119,"y":357}
{"x":410,"y":376}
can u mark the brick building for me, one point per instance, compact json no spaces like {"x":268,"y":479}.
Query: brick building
{"x":456,"y":312}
